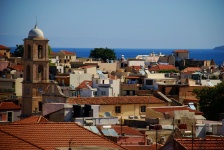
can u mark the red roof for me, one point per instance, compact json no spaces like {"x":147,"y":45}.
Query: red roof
{"x":191,"y":69}
{"x":162,"y":67}
{"x":2,"y":47}
{"x":173,"y":108}
{"x":9,"y":106}
{"x":115,"y":100}
{"x":17,"y":67}
{"x":50,"y":136}
{"x":83,"y":84}
{"x":127,"y":130}
{"x":181,"y":51}
{"x":67,"y":52}
{"x":198,"y":144}
{"x":32,"y":119}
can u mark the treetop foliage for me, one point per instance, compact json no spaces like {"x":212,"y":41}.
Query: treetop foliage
{"x":103,"y":53}
{"x":211,"y":101}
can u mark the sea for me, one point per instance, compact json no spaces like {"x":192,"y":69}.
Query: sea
{"x":197,"y":54}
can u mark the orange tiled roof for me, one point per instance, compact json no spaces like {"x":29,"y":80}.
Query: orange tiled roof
{"x":173,"y":108}
{"x":2,"y":47}
{"x":83,"y":84}
{"x":9,"y":106}
{"x":17,"y":67}
{"x":67,"y":52}
{"x":181,"y":51}
{"x":32,"y":119}
{"x":116,"y":100}
{"x":198,"y":144}
{"x":11,"y":142}
{"x":49,"y":136}
{"x":191,"y":69}
{"x":127,"y":130}
{"x":162,"y":67}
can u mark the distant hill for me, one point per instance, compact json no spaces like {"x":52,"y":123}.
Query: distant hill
{"x":219,"y":48}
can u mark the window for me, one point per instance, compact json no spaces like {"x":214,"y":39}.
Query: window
{"x":40,"y":51}
{"x":95,"y":93}
{"x":117,"y":109}
{"x":143,"y":108}
{"x":40,"y":73}
{"x":29,"y":52}
{"x":149,"y":82}
{"x":28,"y":73}
{"x":40,"y":106}
{"x":10,"y":116}
{"x":103,"y":92}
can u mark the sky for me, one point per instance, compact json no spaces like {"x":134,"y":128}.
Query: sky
{"x":115,"y":23}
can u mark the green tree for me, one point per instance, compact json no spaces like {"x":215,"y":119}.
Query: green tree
{"x":49,"y":50}
{"x":103,"y":53}
{"x":19,"y":51}
{"x":211,"y":101}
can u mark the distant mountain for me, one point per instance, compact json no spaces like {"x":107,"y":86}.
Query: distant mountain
{"x":219,"y":48}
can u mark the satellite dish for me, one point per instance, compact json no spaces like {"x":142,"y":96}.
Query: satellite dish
{"x":107,"y":114}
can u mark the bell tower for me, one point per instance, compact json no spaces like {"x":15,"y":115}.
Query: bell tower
{"x":36,"y":71}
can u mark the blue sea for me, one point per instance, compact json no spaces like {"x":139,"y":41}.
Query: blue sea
{"x":198,"y":54}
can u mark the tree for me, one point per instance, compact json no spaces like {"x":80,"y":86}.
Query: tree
{"x":49,"y":50}
{"x":19,"y":51}
{"x":211,"y":101}
{"x":103,"y":53}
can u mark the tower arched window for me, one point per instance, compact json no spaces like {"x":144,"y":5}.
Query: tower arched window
{"x":28,"y":73}
{"x":40,"y":51}
{"x":29,"y":52}
{"x":40,"y":72}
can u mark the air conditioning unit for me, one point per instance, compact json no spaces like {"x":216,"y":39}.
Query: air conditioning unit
{"x":131,"y":117}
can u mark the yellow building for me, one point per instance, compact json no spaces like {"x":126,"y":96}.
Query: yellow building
{"x":123,"y":106}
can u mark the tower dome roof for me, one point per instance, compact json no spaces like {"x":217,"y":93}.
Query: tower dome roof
{"x":36,"y":33}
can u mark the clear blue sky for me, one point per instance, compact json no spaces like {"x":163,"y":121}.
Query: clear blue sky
{"x":115,"y":23}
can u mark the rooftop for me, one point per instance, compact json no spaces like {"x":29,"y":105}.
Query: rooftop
{"x":2,"y":47}
{"x":116,"y":100}
{"x":174,"y":108}
{"x":48,"y":136}
{"x":198,"y":144}
{"x":9,"y":106}
{"x":32,"y":119}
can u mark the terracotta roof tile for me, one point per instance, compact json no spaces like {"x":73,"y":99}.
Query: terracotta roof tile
{"x":49,"y":136}
{"x":127,"y":130}
{"x":9,"y":106}
{"x":83,"y":84}
{"x":191,"y":69}
{"x":67,"y":52}
{"x":17,"y":67}
{"x":116,"y":100}
{"x":198,"y":144}
{"x":173,"y":108}
{"x":32,"y":119}
{"x":2,"y":47}
{"x":10,"y":142}
{"x":162,"y":67}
